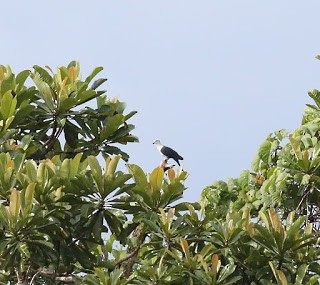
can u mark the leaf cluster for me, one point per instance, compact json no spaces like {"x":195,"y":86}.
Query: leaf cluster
{"x":48,"y":118}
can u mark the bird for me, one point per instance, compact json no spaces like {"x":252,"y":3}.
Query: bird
{"x":168,"y":152}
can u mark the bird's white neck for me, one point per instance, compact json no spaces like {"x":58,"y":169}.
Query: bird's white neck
{"x":159,"y":146}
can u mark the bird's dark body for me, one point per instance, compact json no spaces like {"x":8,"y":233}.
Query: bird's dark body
{"x":170,"y":153}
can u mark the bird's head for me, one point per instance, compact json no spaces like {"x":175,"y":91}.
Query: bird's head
{"x":156,"y":142}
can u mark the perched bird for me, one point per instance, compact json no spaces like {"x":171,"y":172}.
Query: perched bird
{"x":168,"y":152}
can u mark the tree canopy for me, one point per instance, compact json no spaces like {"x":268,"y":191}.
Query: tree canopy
{"x":68,"y":215}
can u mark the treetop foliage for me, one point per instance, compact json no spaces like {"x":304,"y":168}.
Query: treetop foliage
{"x":41,"y":117}
{"x":67,"y":219}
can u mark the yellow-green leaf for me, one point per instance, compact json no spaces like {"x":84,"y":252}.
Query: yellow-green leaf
{"x":264,"y":218}
{"x":296,"y":147}
{"x":215,"y":263}
{"x":171,"y":175}
{"x":185,"y":247}
{"x":156,"y":178}
{"x":28,"y":197}
{"x":2,"y":72}
{"x":163,"y":216}
{"x":275,"y":221}
{"x":203,"y":263}
{"x":41,"y":172}
{"x":111,"y":164}
{"x":138,"y":175}
{"x":282,"y":278}
{"x":95,"y":166}
{"x":15,"y":204}
{"x":8,"y":105}
{"x":264,"y":151}
{"x":75,"y":164}
{"x":171,"y":213}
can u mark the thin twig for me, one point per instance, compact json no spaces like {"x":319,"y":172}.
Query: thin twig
{"x":34,"y":276}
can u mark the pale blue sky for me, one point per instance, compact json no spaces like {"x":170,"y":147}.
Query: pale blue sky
{"x":209,"y":78}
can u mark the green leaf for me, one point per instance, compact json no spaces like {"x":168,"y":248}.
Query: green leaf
{"x":114,"y":223}
{"x":8,"y":105}
{"x":14,"y":206}
{"x":82,"y":255}
{"x":71,"y":134}
{"x":226,"y":272}
{"x":8,"y":84}
{"x":244,"y":179}
{"x":93,"y":74}
{"x":22,"y":113}
{"x":296,"y":147}
{"x":4,"y":215}
{"x":65,"y":170}
{"x":152,"y":225}
{"x":67,"y":104}
{"x":265,"y":238}
{"x":144,"y":193}
{"x":97,"y":226}
{"x":27,"y":198}
{"x":87,"y":95}
{"x":264,"y":151}
{"x":21,"y":78}
{"x":44,"y":91}
{"x":44,"y":75}
{"x":138,"y":175}
{"x":185,"y":247}
{"x":314,"y":280}
{"x":111,"y":165}
{"x":23,"y":248}
{"x":131,"y":114}
{"x":301,"y":273}
{"x":172,"y":193}
{"x":97,"y":83}
{"x":156,"y":178}
{"x":122,"y":132}
{"x":111,"y":126}
{"x":115,"y":150}
{"x":95,"y":166}
{"x":119,"y":182}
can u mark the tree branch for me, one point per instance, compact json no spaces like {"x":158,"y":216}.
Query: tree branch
{"x":52,"y":274}
{"x":128,"y":262}
{"x":119,"y":262}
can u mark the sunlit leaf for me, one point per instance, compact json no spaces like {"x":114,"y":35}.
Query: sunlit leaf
{"x":15,"y":204}
{"x":185,"y":247}
{"x":93,"y":74}
{"x":215,"y":263}
{"x":296,"y":147}
{"x":111,"y":164}
{"x":138,"y":175}
{"x":156,"y":178}
{"x":8,"y":105}
{"x":264,"y":151}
